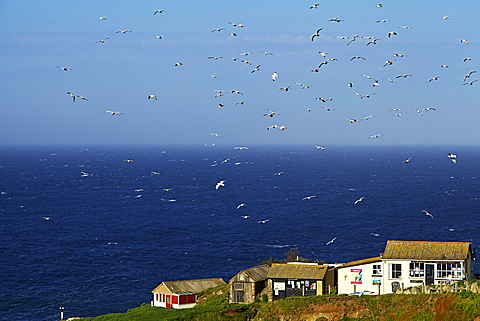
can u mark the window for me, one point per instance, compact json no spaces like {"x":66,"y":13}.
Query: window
{"x":449,"y":270}
{"x":417,"y":270}
{"x":377,"y":269}
{"x":238,"y":286}
{"x":395,"y":271}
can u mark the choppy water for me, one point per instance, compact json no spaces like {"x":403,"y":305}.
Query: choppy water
{"x":99,"y":243}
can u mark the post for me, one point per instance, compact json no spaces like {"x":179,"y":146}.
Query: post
{"x":61,"y":312}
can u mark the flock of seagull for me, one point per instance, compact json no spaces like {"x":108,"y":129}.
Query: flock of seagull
{"x":315,"y":38}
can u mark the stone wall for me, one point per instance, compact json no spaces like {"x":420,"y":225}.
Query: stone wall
{"x":457,"y":286}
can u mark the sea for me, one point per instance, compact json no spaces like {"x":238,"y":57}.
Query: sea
{"x":96,"y":229}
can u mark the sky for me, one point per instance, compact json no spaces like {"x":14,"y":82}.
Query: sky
{"x":37,"y":37}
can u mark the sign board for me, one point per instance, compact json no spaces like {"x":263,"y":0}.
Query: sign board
{"x":357,"y":277}
{"x":279,"y":286}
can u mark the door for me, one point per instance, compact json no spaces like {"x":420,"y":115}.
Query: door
{"x":429,"y":274}
{"x":168,"y":304}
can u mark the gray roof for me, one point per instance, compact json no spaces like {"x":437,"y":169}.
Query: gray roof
{"x":255,"y":274}
{"x":189,"y":286}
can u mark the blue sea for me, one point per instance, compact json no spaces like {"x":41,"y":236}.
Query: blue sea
{"x":85,"y":229}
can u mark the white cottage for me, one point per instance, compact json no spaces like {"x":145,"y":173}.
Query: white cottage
{"x":411,"y":263}
{"x":408,"y":263}
{"x":360,"y":276}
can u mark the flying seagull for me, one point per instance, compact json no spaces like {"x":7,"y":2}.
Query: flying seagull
{"x":331,"y":241}
{"x":317,"y":33}
{"x":64,"y":68}
{"x":221,"y":183}
{"x":271,"y":113}
{"x":159,"y":11}
{"x":243,"y":204}
{"x":452,"y":157}
{"x":113,"y":112}
{"x":71,"y":95}
{"x":426,"y":213}
{"x":216,"y":135}
{"x":359,"y":200}
{"x":152,"y":97}
{"x":256,"y":69}
{"x":337,"y":19}
{"x":469,"y":75}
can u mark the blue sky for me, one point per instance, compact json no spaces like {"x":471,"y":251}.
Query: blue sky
{"x":118,"y":75}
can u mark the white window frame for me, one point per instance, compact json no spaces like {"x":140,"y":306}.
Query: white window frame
{"x":377,"y":269}
{"x":394,"y":269}
{"x":449,"y":270}
{"x":416,"y":270}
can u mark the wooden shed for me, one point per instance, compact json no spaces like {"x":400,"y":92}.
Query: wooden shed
{"x":246,"y":285}
{"x":181,"y":294}
{"x":297,"y":279}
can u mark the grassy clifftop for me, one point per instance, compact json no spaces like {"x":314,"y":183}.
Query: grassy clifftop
{"x":464,"y":306}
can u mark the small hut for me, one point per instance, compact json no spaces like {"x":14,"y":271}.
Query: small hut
{"x":181,"y":294}
{"x":297,"y":279}
{"x":246,"y":285}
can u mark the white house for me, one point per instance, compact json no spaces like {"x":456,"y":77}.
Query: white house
{"x":408,"y":263}
{"x":360,"y":276}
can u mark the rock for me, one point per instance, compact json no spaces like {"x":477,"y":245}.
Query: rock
{"x":474,"y":288}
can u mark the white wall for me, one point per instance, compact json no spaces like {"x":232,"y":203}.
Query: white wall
{"x":347,"y":276}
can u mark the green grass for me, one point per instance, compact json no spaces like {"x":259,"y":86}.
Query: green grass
{"x":463,"y":306}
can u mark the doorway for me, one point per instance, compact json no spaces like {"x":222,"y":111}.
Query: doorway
{"x":429,"y":274}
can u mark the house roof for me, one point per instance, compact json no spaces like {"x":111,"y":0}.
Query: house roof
{"x":257,"y":273}
{"x":360,"y":262}
{"x":188,"y":286}
{"x":297,"y":271}
{"x":425,"y":250}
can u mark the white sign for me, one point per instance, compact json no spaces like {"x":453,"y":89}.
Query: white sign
{"x":279,"y":286}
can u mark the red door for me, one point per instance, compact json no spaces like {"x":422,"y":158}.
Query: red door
{"x":168,"y":304}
